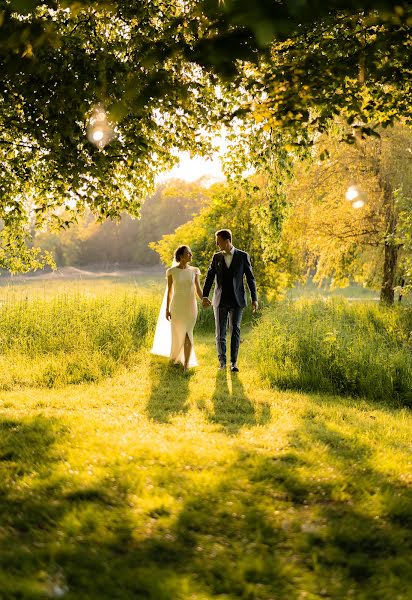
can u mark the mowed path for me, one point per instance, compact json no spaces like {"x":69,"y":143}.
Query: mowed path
{"x":156,"y":484}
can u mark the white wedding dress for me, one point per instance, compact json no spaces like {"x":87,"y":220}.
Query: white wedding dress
{"x":170,"y":335}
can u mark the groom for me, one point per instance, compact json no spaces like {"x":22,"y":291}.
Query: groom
{"x":228,"y":267}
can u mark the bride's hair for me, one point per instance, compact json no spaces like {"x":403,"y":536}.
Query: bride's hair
{"x":179,"y":252}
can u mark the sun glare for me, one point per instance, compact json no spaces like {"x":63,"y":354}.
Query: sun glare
{"x":191,"y":169}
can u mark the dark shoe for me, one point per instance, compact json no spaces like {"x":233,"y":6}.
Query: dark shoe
{"x":222,"y":366}
{"x":234,"y":368}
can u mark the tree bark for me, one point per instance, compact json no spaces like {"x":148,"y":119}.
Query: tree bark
{"x":391,"y":249}
{"x":401,"y":289}
{"x":387,"y":295}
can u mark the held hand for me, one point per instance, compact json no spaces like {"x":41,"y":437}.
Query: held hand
{"x":206,"y":303}
{"x":255,"y":306}
{"x":168,"y":315}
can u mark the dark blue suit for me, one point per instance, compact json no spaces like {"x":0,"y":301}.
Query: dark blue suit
{"x":229,"y":298}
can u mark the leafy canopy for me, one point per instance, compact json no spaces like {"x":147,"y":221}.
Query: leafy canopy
{"x":56,"y":64}
{"x":169,"y":73}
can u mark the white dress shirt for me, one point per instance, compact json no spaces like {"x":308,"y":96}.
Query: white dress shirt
{"x":229,"y":256}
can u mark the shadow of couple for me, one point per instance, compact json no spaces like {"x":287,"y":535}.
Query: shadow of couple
{"x":229,"y":404}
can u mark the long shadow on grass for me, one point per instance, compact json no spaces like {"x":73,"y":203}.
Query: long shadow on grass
{"x":266,"y":531}
{"x":233,"y":409}
{"x":261,"y":527}
{"x":60,"y":536}
{"x":170,"y":391}
{"x":27,"y":458}
{"x":272,"y":529}
{"x":361,"y":523}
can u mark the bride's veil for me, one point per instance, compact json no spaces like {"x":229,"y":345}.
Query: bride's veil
{"x":162,"y":342}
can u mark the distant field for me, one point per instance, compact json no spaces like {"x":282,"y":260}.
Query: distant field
{"x":95,"y":281}
{"x":70,"y":280}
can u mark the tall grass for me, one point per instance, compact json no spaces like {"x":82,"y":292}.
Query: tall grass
{"x":72,"y":338}
{"x":58,"y":333}
{"x":337,"y":347}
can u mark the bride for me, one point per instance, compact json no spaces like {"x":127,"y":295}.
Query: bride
{"x":178,"y":314}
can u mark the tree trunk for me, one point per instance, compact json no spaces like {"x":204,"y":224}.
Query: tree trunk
{"x":401,"y":289}
{"x":391,"y":249}
{"x":389,"y":269}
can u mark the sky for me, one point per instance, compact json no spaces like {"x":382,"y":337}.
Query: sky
{"x":191,"y":169}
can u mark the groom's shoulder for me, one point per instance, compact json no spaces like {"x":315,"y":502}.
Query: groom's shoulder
{"x":242,"y":252}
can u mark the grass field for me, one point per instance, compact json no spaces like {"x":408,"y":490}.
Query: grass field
{"x":154,"y":484}
{"x":335,"y":346}
{"x":68,"y":281}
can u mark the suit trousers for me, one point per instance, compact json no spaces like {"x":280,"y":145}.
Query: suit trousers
{"x":223,"y":316}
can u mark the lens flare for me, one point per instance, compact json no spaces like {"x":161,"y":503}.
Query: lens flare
{"x":99,"y":129}
{"x":98,"y":135}
{"x":358,"y":204}
{"x":352,"y":192}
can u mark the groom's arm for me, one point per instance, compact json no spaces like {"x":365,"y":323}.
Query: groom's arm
{"x":250,"y":278}
{"x":210,"y":277}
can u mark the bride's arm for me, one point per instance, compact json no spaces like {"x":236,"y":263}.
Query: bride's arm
{"x":169,"y":296}
{"x":198,"y":288}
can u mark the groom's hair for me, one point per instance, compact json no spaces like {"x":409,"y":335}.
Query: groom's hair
{"x":179,"y":252}
{"x":225,"y":234}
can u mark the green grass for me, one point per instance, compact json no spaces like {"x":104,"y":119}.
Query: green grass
{"x":153,"y":484}
{"x":57,"y":332}
{"x":72,"y":338}
{"x":60,"y":335}
{"x":337,"y":347}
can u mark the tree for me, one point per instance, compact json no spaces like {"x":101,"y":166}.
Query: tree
{"x":168,"y":73}
{"x":56,"y":64}
{"x":232,"y":207}
{"x":309,"y":61}
{"x":333,"y":239}
{"x":126,"y":242}
{"x":314,"y":66}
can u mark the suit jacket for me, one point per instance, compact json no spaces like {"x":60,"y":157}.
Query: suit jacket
{"x":239,"y":267}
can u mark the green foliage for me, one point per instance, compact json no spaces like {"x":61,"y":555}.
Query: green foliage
{"x":270,"y":155}
{"x":324,"y":235}
{"x":342,"y":65}
{"x":55,"y":66}
{"x":267,"y":21}
{"x":169,"y":75}
{"x":17,"y":256}
{"x":336,"y":347}
{"x":403,"y":239}
{"x":239,"y":209}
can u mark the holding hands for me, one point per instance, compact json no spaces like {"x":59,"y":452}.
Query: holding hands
{"x":206,"y":304}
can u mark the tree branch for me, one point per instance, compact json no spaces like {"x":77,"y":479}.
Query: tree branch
{"x":16,"y":144}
